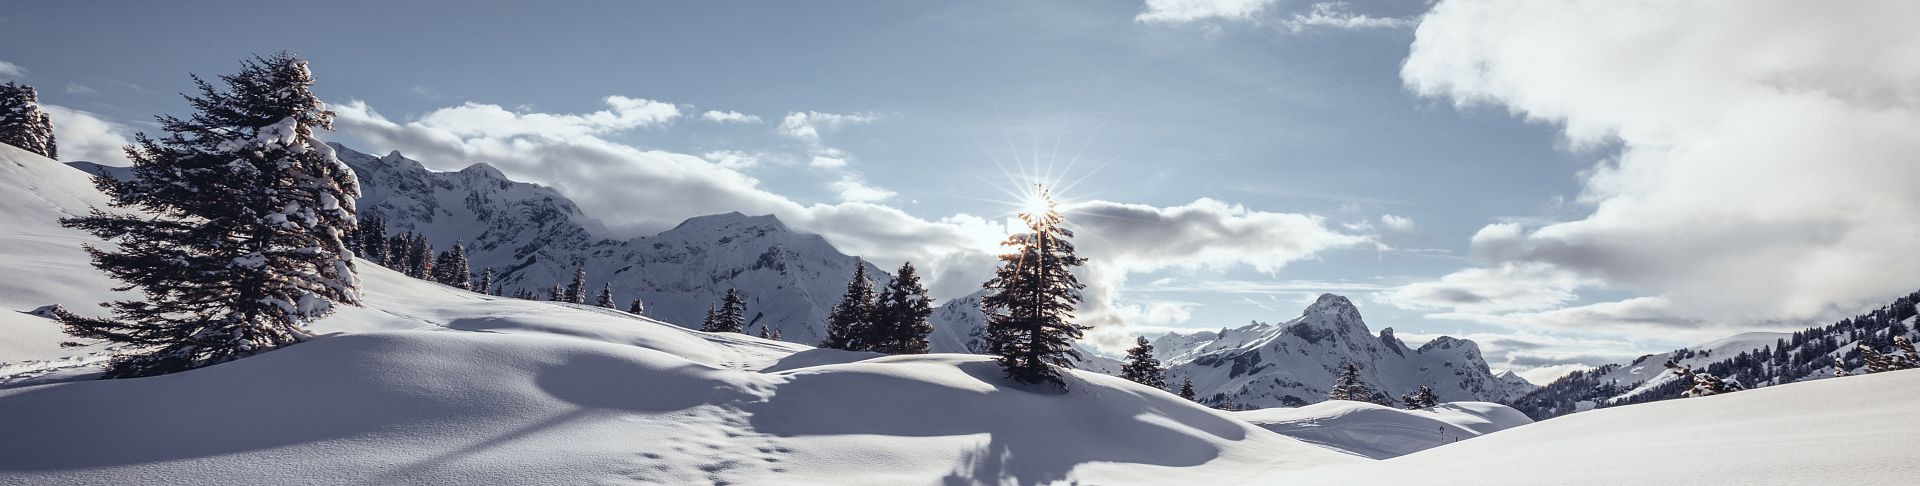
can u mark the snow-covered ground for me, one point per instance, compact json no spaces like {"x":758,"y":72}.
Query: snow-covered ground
{"x":1380,"y":432}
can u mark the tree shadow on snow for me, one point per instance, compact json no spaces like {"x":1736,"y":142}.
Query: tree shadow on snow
{"x":1034,"y":435}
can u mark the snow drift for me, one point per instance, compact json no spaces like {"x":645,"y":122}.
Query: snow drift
{"x":1379,"y":432}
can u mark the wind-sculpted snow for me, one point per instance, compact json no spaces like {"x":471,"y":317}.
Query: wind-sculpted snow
{"x":1381,"y":432}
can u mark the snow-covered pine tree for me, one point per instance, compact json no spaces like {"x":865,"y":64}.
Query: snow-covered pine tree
{"x":373,"y":238}
{"x":1031,"y":298}
{"x":1840,"y":369}
{"x":450,"y":268}
{"x":239,"y":241}
{"x":557,"y":293}
{"x":23,"y":124}
{"x":764,"y":334}
{"x":486,"y":282}
{"x":638,"y":308}
{"x":850,"y":323}
{"x":1349,"y":386}
{"x":1186,"y":388}
{"x":577,"y":290}
{"x":709,"y":324}
{"x":421,"y":264}
{"x":1422,"y":398}
{"x":605,"y":299}
{"x":900,"y":315}
{"x":1141,"y":367}
{"x":732,"y":316}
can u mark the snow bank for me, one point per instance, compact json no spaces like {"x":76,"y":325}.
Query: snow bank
{"x":1380,"y":432}
{"x":1819,"y":432}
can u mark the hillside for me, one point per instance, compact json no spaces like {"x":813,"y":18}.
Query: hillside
{"x":1381,"y":432}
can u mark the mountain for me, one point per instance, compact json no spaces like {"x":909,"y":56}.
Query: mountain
{"x":533,"y":237}
{"x":1295,"y":363}
{"x":1753,"y":359}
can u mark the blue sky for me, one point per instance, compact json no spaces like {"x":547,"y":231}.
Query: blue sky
{"x":1353,"y":147}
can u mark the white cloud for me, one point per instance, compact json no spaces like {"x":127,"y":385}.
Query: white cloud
{"x":729,"y":117}
{"x":86,"y":136}
{"x":1773,"y":183}
{"x":806,"y":126}
{"x":1499,"y":288}
{"x":852,"y":188}
{"x":492,"y":121}
{"x":732,"y":159}
{"x":11,"y":70}
{"x":1179,"y":11}
{"x":826,"y":162}
{"x":80,"y":89}
{"x":1338,"y":15}
{"x":1396,"y":223}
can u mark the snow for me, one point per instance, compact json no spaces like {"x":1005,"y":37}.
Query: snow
{"x":1817,"y":432}
{"x":1380,"y":432}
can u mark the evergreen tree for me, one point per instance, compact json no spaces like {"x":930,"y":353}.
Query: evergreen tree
{"x":1422,"y":398}
{"x":451,"y":267}
{"x":239,"y":241}
{"x":1349,"y":386}
{"x":764,"y":334}
{"x":372,"y":236}
{"x":1186,"y":388}
{"x":557,"y":293}
{"x":900,"y":316}
{"x":486,"y":282}
{"x":1141,"y":367}
{"x":1840,"y":369}
{"x":399,"y":252}
{"x":732,"y":314}
{"x":849,"y":323}
{"x":577,"y":291}
{"x":606,"y":296}
{"x":420,"y":265}
{"x":637,"y":308}
{"x":710,"y":323}
{"x":23,"y":124}
{"x":1031,"y":299}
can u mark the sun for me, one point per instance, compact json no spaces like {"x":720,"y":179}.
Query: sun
{"x":1037,"y":202}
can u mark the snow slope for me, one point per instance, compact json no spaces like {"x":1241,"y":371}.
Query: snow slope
{"x":440,"y":386}
{"x":1380,"y":432}
{"x":43,"y":262}
{"x":1853,"y":430}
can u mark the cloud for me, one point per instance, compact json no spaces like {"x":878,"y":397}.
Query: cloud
{"x":1396,"y":223}
{"x":1774,"y":183}
{"x":729,"y":117}
{"x":733,"y":159}
{"x":1338,"y":15}
{"x":80,"y":89}
{"x":826,"y":162}
{"x":852,"y":188}
{"x":806,"y":126}
{"x":86,"y":136}
{"x":11,"y":70}
{"x":492,"y":121}
{"x":1500,"y":288}
{"x":1181,"y":11}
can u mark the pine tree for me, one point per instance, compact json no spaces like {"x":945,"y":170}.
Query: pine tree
{"x":451,"y":267}
{"x":557,"y":293}
{"x":421,"y":263}
{"x":372,"y":236}
{"x":486,"y":282}
{"x":638,"y":308}
{"x":710,"y":323}
{"x":1031,"y":299}
{"x":1349,"y":386}
{"x":764,"y":334}
{"x":239,"y":242}
{"x":1186,"y":389}
{"x":399,"y":251}
{"x":1141,"y":367}
{"x":23,"y":124}
{"x":577,"y":291}
{"x":1840,"y":369}
{"x":732,"y":314}
{"x":1422,"y":398}
{"x":606,"y":296}
{"x":900,"y":316}
{"x":849,"y":323}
